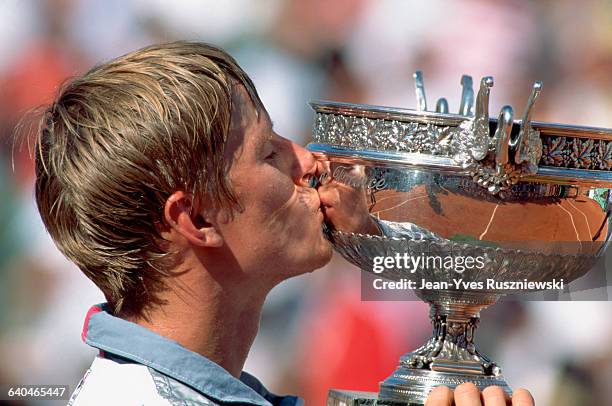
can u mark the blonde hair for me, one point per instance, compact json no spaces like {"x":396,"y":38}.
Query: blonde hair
{"x":116,"y":143}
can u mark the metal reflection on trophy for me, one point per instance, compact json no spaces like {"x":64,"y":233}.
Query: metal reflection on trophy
{"x":531,"y":199}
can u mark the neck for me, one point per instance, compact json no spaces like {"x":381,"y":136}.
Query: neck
{"x":215,"y":319}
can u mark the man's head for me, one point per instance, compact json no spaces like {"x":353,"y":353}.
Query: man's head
{"x":132,"y":141}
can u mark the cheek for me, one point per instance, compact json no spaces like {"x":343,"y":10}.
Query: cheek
{"x":275,"y":211}
{"x":265,"y":192}
{"x":267,"y":212}
{"x":276,"y":200}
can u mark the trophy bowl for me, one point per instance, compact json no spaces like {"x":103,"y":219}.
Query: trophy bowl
{"x":490,"y":206}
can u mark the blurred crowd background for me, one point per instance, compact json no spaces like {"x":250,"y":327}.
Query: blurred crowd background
{"x":316,"y":333}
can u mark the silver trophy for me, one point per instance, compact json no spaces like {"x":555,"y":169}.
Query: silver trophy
{"x":529,"y":199}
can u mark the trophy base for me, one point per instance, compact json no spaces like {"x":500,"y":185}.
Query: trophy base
{"x":409,"y":387}
{"x":413,"y":385}
{"x":337,"y":397}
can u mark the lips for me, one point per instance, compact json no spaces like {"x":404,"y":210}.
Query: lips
{"x":310,"y":198}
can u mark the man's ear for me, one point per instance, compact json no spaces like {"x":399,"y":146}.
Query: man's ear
{"x":183,"y":217}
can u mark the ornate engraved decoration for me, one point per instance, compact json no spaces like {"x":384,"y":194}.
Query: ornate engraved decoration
{"x":469,"y":144}
{"x":382,"y":135}
{"x":393,"y":135}
{"x":579,"y":153}
{"x":451,"y":349}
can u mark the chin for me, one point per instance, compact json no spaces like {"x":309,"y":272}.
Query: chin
{"x":317,"y":258}
{"x":324,"y":255}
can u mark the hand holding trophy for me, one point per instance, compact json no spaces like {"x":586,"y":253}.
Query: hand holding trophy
{"x":346,"y":206}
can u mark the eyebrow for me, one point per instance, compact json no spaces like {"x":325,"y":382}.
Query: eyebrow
{"x":261,"y":142}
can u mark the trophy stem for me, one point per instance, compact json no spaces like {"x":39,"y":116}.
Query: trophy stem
{"x":451,"y":347}
{"x":450,"y":357}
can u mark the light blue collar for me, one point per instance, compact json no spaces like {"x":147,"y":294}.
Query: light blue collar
{"x":136,"y":343}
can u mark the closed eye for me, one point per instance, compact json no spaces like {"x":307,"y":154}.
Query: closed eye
{"x":271,"y":156}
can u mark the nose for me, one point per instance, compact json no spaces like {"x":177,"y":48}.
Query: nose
{"x":305,"y":166}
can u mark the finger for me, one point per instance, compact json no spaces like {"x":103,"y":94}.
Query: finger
{"x":467,"y":394}
{"x":494,"y":396}
{"x":440,"y":396}
{"x":329,"y":195}
{"x":522,"y":397}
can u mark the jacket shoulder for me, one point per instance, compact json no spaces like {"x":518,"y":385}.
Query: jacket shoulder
{"x":108,"y":382}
